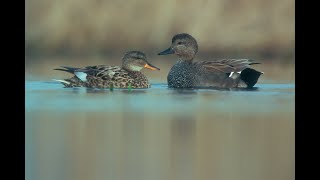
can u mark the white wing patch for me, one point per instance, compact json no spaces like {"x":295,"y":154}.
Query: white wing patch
{"x":234,"y":72}
{"x":81,"y":75}
{"x":231,"y":74}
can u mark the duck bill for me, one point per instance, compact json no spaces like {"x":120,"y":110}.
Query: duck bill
{"x":167,"y":51}
{"x":150,"y":66}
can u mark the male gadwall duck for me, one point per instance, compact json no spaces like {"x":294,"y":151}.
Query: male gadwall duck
{"x":225,"y":73}
{"x":104,"y":76}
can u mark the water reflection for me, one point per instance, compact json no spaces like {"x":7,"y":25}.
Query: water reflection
{"x":159,"y":134}
{"x":82,"y":90}
{"x":183,"y":129}
{"x":133,"y":91}
{"x":182,"y":91}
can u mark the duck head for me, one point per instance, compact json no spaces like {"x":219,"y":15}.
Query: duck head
{"x":183,"y":45}
{"x":135,"y":61}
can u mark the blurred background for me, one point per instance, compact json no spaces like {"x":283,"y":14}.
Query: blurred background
{"x":158,"y":133}
{"x":82,"y":32}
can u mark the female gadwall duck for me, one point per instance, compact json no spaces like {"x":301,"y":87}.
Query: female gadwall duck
{"x":225,"y":73}
{"x":104,"y":76}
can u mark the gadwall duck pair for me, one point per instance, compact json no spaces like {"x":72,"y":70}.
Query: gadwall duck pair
{"x":225,"y":73}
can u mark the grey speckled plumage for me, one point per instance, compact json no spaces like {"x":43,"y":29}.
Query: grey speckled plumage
{"x":104,"y":76}
{"x":224,"y":73}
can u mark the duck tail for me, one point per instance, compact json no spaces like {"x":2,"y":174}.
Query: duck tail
{"x":67,"y":69}
{"x":250,"y":76}
{"x":62,"y":81}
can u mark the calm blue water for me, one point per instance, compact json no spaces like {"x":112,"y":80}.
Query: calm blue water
{"x":159,"y":98}
{"x":159,"y":133}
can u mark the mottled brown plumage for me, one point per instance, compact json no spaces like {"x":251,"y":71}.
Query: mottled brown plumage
{"x":104,"y":76}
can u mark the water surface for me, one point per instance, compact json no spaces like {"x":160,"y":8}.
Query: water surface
{"x":159,"y":133}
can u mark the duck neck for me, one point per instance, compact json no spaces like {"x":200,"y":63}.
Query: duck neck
{"x":187,"y":56}
{"x":125,"y":67}
{"x":135,"y":74}
{"x":138,"y":76}
{"x":186,"y":59}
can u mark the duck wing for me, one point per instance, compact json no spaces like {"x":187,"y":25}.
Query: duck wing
{"x":67,"y":69}
{"x":101,"y":71}
{"x":104,"y":72}
{"x":225,"y":65}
